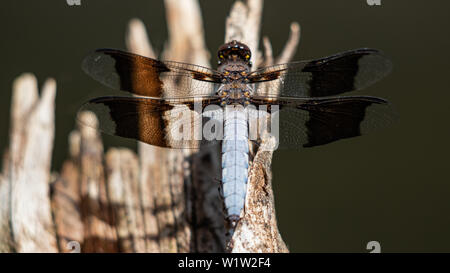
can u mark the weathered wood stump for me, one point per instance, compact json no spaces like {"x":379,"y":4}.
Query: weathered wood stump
{"x":158,"y":200}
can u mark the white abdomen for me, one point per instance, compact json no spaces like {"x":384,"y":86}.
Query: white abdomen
{"x":235,"y":160}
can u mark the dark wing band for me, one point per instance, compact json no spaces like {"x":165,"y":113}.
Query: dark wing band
{"x":162,"y":122}
{"x":149,"y":77}
{"x":318,"y":121}
{"x":336,"y":74}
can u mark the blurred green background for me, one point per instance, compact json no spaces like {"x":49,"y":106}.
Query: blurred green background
{"x":391,"y":186}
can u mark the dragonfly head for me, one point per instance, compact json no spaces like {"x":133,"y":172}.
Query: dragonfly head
{"x":234,"y":51}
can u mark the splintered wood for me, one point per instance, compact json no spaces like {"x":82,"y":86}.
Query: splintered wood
{"x":159,"y":200}
{"x":25,"y":205}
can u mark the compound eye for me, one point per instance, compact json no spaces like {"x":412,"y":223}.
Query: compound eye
{"x":221,"y":56}
{"x":247,"y":56}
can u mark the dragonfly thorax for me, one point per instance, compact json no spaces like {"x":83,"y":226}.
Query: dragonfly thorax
{"x":234,"y":71}
{"x":234,"y":93}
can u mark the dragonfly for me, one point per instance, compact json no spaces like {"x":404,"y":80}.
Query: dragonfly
{"x":305,"y":96}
